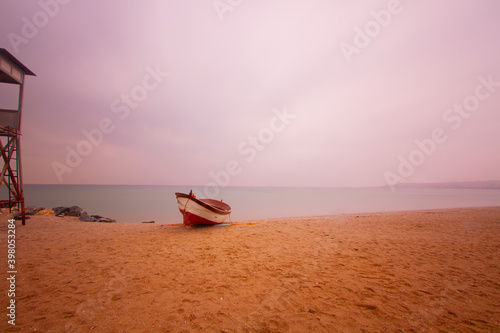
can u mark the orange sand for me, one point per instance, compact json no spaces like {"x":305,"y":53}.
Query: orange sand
{"x":431,"y":271}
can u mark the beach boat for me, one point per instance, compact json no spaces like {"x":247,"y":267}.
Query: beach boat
{"x":201,"y":211}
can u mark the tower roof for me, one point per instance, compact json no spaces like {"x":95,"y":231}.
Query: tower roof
{"x":10,"y":67}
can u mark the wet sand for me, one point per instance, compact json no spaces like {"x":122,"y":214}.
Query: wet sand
{"x":424,"y":271}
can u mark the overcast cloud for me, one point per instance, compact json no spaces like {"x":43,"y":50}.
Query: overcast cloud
{"x":178,"y":89}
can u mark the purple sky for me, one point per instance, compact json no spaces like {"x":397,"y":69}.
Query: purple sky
{"x":352,"y":105}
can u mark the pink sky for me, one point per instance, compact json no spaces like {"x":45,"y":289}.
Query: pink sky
{"x":182,"y":89}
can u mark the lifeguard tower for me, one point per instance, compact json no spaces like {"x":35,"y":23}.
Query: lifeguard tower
{"x":12,"y":71}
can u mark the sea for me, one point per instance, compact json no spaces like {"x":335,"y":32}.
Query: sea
{"x":136,"y":203}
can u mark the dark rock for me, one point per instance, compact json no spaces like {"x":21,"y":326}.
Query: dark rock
{"x":32,"y":210}
{"x":149,"y":222}
{"x":67,"y":211}
{"x":86,"y":218}
{"x":74,"y":211}
{"x":99,"y":218}
{"x":107,"y":220}
{"x":18,"y":216}
{"x":59,"y":210}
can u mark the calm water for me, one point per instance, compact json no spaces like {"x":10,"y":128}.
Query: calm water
{"x":145,"y":203}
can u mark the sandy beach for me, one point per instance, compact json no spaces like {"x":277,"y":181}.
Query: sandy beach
{"x":424,"y":271}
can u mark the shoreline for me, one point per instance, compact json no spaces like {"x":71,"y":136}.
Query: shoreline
{"x":412,"y":270}
{"x":371,"y":213}
{"x":146,"y":203}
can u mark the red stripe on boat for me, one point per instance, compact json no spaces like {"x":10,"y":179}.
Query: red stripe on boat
{"x":190,"y":220}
